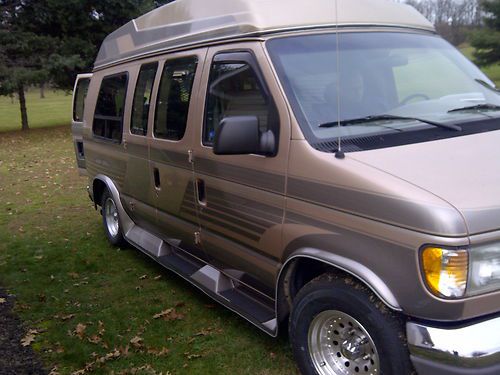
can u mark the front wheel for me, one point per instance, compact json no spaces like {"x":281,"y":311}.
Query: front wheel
{"x":111,"y":220}
{"x":338,"y":327}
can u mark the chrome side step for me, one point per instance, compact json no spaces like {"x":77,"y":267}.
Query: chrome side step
{"x":228,"y":292}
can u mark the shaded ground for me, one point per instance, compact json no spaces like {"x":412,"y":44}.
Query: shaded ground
{"x":14,"y":358}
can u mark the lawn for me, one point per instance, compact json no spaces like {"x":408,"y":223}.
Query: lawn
{"x":54,"y":110}
{"x":92,"y":307}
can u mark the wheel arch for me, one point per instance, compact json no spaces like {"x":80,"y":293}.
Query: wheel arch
{"x":307,"y":263}
{"x":102,"y":183}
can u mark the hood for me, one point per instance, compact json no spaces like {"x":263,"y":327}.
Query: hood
{"x":463,"y":171}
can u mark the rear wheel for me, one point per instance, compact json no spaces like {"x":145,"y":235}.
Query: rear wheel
{"x":338,"y":327}
{"x":111,"y":220}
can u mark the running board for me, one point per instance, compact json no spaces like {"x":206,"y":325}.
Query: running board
{"x":228,"y":292}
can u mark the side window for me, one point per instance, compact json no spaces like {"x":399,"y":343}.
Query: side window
{"x":174,"y":95}
{"x":235,"y":90}
{"x":79,"y":99}
{"x":108,"y":117}
{"x":142,"y":99}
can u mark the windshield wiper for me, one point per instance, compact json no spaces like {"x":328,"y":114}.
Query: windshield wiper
{"x":367,"y":119}
{"x":477,"y":107}
{"x":487,"y":85}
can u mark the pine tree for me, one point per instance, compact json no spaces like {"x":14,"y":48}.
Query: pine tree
{"x":487,"y":41}
{"x":53,"y":40}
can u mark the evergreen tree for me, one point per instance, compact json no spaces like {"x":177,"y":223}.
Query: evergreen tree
{"x":54,"y":40}
{"x":487,"y":41}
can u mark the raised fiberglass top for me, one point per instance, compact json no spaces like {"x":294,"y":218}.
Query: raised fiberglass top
{"x":190,"y":22}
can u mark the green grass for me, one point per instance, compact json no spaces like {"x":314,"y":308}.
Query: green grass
{"x":493,"y":71}
{"x":55,"y":259}
{"x":54,"y":110}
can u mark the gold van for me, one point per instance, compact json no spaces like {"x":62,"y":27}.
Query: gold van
{"x":330,"y":167}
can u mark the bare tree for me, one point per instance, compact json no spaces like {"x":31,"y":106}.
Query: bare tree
{"x":453,"y":18}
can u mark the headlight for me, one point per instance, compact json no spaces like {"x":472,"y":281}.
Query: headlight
{"x":445,"y":271}
{"x":484,"y":270}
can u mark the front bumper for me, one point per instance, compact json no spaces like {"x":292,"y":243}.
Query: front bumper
{"x":472,"y":349}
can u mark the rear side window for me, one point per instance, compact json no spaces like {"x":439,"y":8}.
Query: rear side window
{"x":172,"y":105}
{"x":142,"y":99}
{"x":108,"y":117}
{"x":234,"y":90}
{"x":79,"y":99}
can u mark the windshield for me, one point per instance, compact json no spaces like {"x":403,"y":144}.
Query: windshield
{"x":409,"y":76}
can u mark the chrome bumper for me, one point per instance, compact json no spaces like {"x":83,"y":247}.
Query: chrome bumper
{"x":472,"y":349}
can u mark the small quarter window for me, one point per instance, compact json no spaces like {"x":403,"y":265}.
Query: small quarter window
{"x":81,"y":93}
{"x":142,"y":99}
{"x":235,"y":90}
{"x":108,"y":118}
{"x":172,"y":105}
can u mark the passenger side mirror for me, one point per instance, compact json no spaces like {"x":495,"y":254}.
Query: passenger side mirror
{"x":240,"y":135}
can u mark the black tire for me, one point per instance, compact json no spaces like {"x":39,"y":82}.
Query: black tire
{"x":115,"y":238}
{"x":344,"y":294}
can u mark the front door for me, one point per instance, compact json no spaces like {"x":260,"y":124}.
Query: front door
{"x":170,"y":153}
{"x":241,"y":199}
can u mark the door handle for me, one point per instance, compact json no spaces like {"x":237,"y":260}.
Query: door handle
{"x":156,"y":173}
{"x":201,"y":194}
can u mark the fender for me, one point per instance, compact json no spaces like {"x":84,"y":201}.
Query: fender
{"x":356,"y":269}
{"x":125,"y":220}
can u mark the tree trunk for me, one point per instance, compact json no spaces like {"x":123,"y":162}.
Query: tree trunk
{"x":42,"y":91}
{"x":24,"y":112}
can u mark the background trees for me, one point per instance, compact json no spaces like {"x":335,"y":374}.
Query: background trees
{"x":51,"y":41}
{"x":487,"y":41}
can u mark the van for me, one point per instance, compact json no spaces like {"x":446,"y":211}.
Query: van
{"x":326,"y":168}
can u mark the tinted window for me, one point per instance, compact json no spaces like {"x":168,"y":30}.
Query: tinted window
{"x":108,"y":118}
{"x":172,"y":105}
{"x":234,"y":90}
{"x":79,"y":98}
{"x":142,"y":99}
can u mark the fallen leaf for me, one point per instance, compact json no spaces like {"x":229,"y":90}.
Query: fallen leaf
{"x":94,"y":339}
{"x":159,"y":353}
{"x":80,"y":330}
{"x":67,"y":317}
{"x":101,"y":328}
{"x":169,"y":315}
{"x":143,"y":277}
{"x":2,"y":301}
{"x":29,"y":338}
{"x":157,"y":277}
{"x":136,"y":342}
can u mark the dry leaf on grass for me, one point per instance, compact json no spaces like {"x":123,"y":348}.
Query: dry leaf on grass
{"x":143,"y":277}
{"x":2,"y":301}
{"x":64,"y":318}
{"x":80,"y":330}
{"x":168,"y":315}
{"x":158,"y":352}
{"x":136,"y":342}
{"x":29,"y":338}
{"x":94,"y":339}
{"x":101,"y":328}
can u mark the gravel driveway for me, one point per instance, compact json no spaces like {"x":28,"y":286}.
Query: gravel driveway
{"x":14,"y":358}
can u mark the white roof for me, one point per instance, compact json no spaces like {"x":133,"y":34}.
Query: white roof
{"x":190,"y":22}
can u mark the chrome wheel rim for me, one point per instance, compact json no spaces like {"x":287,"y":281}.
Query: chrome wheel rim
{"x":340,"y":345}
{"x":111,"y":214}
